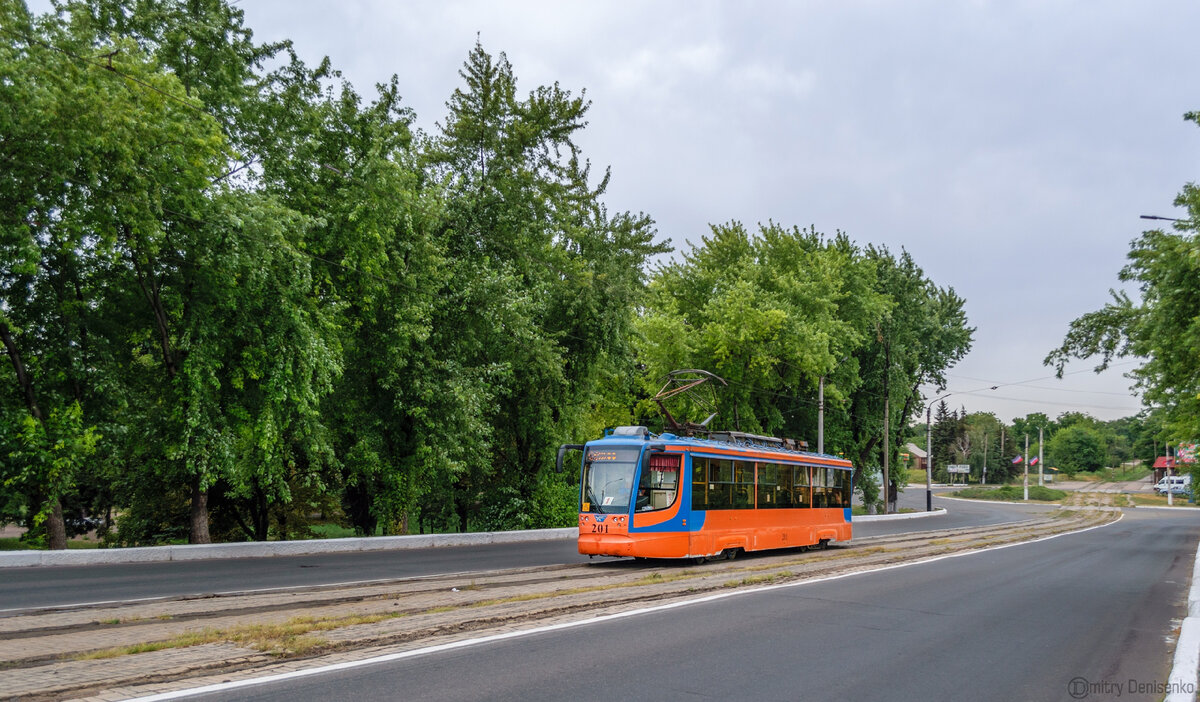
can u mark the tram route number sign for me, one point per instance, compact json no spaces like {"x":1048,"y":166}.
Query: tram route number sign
{"x":958,"y":468}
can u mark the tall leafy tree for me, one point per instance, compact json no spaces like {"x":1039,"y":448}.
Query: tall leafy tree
{"x":1159,"y":324}
{"x":770,"y":313}
{"x":71,"y":133}
{"x":219,"y":353}
{"x":923,"y":333}
{"x":542,"y":279}
{"x":1078,"y":447}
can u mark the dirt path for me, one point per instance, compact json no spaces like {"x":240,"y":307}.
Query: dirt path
{"x":1114,"y":500}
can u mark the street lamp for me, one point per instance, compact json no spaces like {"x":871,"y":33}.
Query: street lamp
{"x":929,"y":449}
{"x":929,"y":452}
{"x":1168,"y":219}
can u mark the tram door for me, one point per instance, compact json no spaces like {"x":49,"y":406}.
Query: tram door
{"x":658,"y":488}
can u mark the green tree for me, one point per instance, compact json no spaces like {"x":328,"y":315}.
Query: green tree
{"x":1162,"y":325}
{"x":195,"y":292}
{"x":66,"y":134}
{"x":541,"y":280}
{"x":984,"y":431}
{"x":771,"y":313}
{"x":922,"y":334}
{"x":1077,"y":448}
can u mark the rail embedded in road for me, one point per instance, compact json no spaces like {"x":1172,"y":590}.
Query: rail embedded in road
{"x":86,"y":651}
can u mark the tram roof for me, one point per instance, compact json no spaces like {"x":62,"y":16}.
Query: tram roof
{"x":738,"y":446}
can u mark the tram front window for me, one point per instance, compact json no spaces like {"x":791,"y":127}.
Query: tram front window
{"x":608,"y":479}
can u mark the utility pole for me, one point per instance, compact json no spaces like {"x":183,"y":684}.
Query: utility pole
{"x":1002,"y":443}
{"x":1170,"y":465}
{"x":887,"y":451}
{"x":984,"y":480}
{"x":1025,"y":460}
{"x":821,"y":416}
{"x":1041,"y":481}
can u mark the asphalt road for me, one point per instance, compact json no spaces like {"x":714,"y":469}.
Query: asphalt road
{"x":57,"y":586}
{"x":1023,"y":622}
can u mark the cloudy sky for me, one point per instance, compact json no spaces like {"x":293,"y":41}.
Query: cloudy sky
{"x":1009,"y":146}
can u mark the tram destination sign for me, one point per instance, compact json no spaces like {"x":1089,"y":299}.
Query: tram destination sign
{"x":958,"y":468}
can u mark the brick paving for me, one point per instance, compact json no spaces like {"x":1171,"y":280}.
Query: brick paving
{"x":67,"y":675}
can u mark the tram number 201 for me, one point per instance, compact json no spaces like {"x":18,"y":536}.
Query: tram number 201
{"x":599,"y":528}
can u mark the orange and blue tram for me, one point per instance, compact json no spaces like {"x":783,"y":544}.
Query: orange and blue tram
{"x":666,"y":496}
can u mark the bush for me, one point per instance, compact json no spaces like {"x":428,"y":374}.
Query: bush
{"x":553,"y":504}
{"x":1011,"y":493}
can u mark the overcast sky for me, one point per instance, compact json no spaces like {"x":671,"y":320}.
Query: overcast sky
{"x":1009,"y":146}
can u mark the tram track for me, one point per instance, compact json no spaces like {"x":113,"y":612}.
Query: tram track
{"x":78,"y":651}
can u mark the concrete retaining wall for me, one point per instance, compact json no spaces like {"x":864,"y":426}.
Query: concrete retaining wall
{"x":1182,"y":683}
{"x":263,"y":549}
{"x":266,"y":549}
{"x":900,"y":515}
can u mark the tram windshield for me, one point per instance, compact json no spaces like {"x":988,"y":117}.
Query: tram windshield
{"x":608,"y":479}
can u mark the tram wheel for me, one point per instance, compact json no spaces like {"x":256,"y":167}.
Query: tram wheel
{"x":824,"y":544}
{"x":699,"y":560}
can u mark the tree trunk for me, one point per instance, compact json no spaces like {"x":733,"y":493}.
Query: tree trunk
{"x":199,"y":518}
{"x":56,"y":528}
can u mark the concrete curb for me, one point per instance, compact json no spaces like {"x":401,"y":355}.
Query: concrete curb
{"x":892,"y":517}
{"x":260,"y":549}
{"x":1182,"y":682}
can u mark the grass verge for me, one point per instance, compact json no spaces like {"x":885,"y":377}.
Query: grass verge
{"x":289,"y":638}
{"x":1161,"y":501}
{"x":1011,"y":493}
{"x":14,"y":543}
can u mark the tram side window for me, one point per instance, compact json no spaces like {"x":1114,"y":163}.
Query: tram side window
{"x":801,"y":492}
{"x":659,"y":483}
{"x":843,"y":487}
{"x":820,"y":487}
{"x":783,"y":487}
{"x":720,"y":484}
{"x":768,"y":485}
{"x":833,"y":486}
{"x":743,"y":485}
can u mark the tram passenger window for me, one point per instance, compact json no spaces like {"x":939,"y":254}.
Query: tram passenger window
{"x":801,"y":492}
{"x":699,"y":483}
{"x":743,"y":485}
{"x":783,"y":488}
{"x":834,"y":489}
{"x":819,"y":487}
{"x":842,"y":484}
{"x":720,"y":484}
{"x":768,"y":483}
{"x":659,"y":483}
